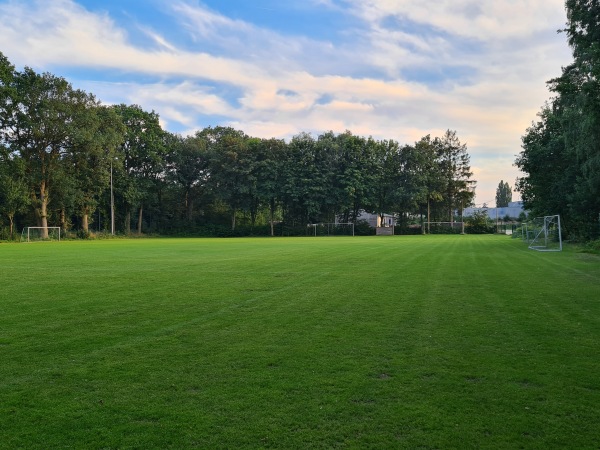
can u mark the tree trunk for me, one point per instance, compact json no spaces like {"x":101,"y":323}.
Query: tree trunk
{"x":428,"y":218}
{"x":85,"y":222}
{"x":139,"y":224}
{"x":44,"y":210}
{"x":233,"y":211}
{"x":11,"y":221}
{"x":63,"y":220}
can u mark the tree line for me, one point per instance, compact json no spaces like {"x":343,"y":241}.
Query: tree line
{"x":67,"y":160}
{"x":561,"y":151}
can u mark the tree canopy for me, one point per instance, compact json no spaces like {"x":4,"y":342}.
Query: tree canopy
{"x":561,"y":151}
{"x":503,"y":194}
{"x":66,"y":159}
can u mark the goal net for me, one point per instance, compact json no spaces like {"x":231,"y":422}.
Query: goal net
{"x":544,"y":234}
{"x":34,"y":234}
{"x":330,"y":229}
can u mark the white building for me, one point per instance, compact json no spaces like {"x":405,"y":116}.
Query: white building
{"x":513,"y":210}
{"x":374,"y":220}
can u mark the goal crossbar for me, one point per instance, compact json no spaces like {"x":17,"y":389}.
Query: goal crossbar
{"x":26,"y":234}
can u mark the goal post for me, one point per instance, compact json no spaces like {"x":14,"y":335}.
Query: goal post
{"x":330,"y":229}
{"x":36,"y":234}
{"x":544,"y":234}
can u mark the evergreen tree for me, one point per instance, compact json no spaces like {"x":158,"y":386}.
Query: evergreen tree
{"x":503,"y":194}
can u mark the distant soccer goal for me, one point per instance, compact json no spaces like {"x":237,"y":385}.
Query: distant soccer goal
{"x":330,"y":229}
{"x":544,"y":234}
{"x":35,"y":234}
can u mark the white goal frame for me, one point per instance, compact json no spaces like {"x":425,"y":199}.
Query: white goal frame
{"x":330,"y":226}
{"x":550,"y":225}
{"x":25,"y":234}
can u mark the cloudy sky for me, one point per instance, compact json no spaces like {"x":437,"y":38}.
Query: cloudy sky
{"x":391,"y":69}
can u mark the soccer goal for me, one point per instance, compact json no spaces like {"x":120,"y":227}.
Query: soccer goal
{"x":331,"y":229}
{"x":544,"y":234}
{"x":35,"y":234}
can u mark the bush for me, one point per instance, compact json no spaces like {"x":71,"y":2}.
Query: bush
{"x":362,"y":228}
{"x":4,"y":234}
{"x":82,"y":234}
{"x":592,"y":247}
{"x":478,"y":223}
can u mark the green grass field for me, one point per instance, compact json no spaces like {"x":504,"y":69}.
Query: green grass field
{"x":370,"y":342}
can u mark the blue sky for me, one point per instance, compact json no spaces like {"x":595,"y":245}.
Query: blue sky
{"x":391,"y":69}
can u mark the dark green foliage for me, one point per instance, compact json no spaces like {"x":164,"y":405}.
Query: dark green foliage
{"x":143,"y":155}
{"x":83,"y":234}
{"x":478,"y":223}
{"x":503,"y":194}
{"x":362,"y":228}
{"x":14,"y":195}
{"x":592,"y":247}
{"x":453,"y":161}
{"x":72,"y":147}
{"x":561,"y":152}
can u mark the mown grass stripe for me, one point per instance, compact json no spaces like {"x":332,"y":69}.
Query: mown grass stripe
{"x":416,"y":341}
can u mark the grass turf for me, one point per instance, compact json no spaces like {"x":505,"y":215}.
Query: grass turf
{"x":383,"y":342}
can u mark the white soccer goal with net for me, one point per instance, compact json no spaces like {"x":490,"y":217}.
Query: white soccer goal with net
{"x":544,"y":234}
{"x":331,"y":229}
{"x":34,"y":234}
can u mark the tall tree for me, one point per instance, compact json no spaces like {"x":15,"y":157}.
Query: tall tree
{"x":14,"y":195}
{"x":429,"y":185}
{"x":39,"y":128}
{"x":270,"y":156}
{"x":568,"y":133}
{"x":308,"y":174}
{"x":7,"y":94}
{"x":230,"y":168}
{"x":89,"y":154}
{"x":386,"y":181}
{"x":455,"y":171}
{"x":187,"y":164}
{"x":551,"y":174}
{"x":415,"y":175}
{"x":503,"y":194}
{"x":356,"y":174}
{"x":142,"y":153}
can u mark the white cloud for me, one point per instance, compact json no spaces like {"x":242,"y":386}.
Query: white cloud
{"x":487,"y":20}
{"x":505,"y":50}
